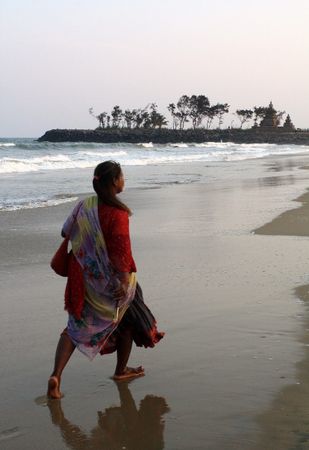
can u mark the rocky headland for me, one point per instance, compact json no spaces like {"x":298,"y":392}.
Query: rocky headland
{"x":165,"y":136}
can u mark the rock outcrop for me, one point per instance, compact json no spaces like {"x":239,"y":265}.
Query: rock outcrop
{"x":165,"y":136}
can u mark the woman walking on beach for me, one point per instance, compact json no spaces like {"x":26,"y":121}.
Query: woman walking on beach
{"x":104,"y":301}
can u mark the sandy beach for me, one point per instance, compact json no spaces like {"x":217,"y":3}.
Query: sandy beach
{"x":223,"y":267}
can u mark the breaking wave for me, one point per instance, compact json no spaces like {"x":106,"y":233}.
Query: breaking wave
{"x":25,"y":156}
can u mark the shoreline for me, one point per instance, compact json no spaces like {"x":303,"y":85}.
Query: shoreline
{"x":293,"y":222}
{"x":290,"y":404}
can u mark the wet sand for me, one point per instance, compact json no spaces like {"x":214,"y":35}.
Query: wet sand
{"x":294,"y":222}
{"x":232,"y":368}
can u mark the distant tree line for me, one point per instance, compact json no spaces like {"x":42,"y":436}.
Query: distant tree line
{"x":194,"y":109}
{"x":148,"y":117}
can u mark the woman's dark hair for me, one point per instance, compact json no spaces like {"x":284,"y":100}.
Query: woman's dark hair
{"x":103,"y":178}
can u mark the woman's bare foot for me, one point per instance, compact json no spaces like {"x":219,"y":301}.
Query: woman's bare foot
{"x":130,"y":372}
{"x":53,"y":390}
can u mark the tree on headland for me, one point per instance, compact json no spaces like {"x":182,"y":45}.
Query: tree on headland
{"x":244,"y":115}
{"x":138,"y":118}
{"x":128,"y":118}
{"x":100,"y":117}
{"x":157,"y":120}
{"x":146,"y":123}
{"x":172,"y":110}
{"x":220,"y":110}
{"x":214,"y":111}
{"x":179,"y":112}
{"x":259,"y":114}
{"x":198,"y":105}
{"x":183,"y":110}
{"x":197,"y":108}
{"x":153,"y":115}
{"x":211,"y":114}
{"x":116,"y":116}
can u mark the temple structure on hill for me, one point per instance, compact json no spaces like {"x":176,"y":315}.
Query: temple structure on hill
{"x":288,"y":124}
{"x":270,"y":119}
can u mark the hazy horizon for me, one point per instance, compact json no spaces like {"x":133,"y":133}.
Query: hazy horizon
{"x":61,"y":58}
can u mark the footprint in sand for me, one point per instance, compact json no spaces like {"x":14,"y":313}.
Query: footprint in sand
{"x":9,"y":434}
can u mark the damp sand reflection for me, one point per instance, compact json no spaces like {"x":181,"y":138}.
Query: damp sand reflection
{"x":269,"y":181}
{"x":285,"y":425}
{"x":124,"y":427}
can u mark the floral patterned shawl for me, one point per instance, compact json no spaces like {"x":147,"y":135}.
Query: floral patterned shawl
{"x":101,"y":314}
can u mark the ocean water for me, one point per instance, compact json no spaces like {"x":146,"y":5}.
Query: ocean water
{"x":37,"y":174}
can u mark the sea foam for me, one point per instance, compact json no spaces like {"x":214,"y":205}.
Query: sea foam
{"x":7,"y":144}
{"x":37,"y":204}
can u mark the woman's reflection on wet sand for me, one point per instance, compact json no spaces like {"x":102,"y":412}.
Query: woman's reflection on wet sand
{"x":123,"y":427}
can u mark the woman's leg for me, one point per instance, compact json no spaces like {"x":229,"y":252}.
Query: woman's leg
{"x":124,"y":346}
{"x":65,"y":348}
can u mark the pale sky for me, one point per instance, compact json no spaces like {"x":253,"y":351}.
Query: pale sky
{"x":61,"y":57}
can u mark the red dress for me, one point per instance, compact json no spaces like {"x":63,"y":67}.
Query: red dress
{"x":115,"y":227}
